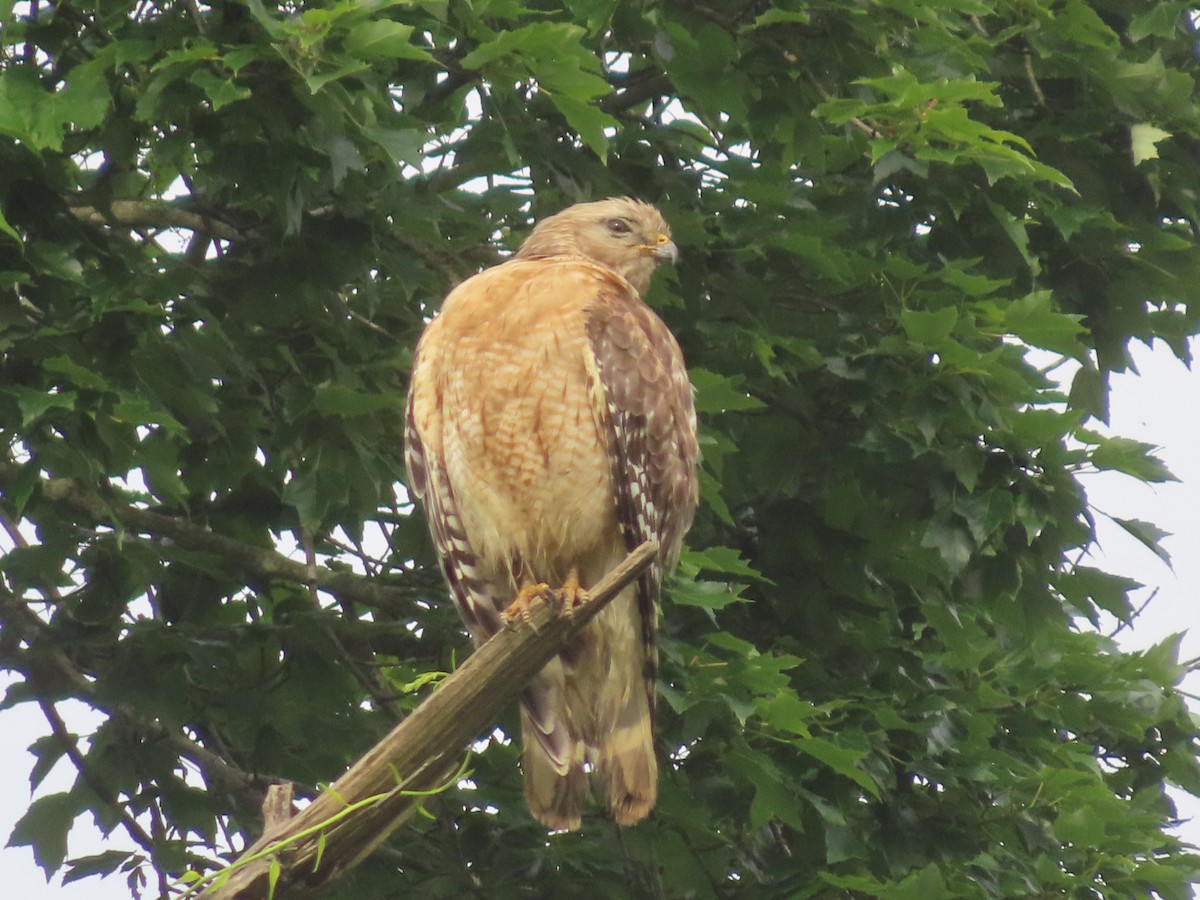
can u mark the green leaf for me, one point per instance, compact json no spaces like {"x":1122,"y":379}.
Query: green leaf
{"x":383,"y":39}
{"x":1144,"y":140}
{"x":773,"y":794}
{"x":1089,"y":392}
{"x":6,"y":228}
{"x":1035,"y":321}
{"x":1080,"y":825}
{"x":540,"y":39}
{"x":48,"y":751}
{"x":85,"y":99}
{"x":1086,"y":27}
{"x":336,"y":399}
{"x":778,"y":17}
{"x":140,"y":411}
{"x":929,"y":328}
{"x":34,"y":403}
{"x":274,"y":870}
{"x":952,"y":542}
{"x":1162,"y":661}
{"x":587,"y":120}
{"x":925,"y":884}
{"x":343,"y":158}
{"x":316,"y":83}
{"x":710,"y":496}
{"x":402,"y":145}
{"x":1159,"y":20}
{"x":720,"y":393}
{"x":725,"y":560}
{"x":220,"y":91}
{"x":104,"y":863}
{"x":787,"y":712}
{"x":1148,"y":535}
{"x":76,"y":375}
{"x":710,"y":595}
{"x":842,"y":760}
{"x":44,"y":827}
{"x":27,"y":111}
{"x":1131,"y":457}
{"x":1109,"y":592}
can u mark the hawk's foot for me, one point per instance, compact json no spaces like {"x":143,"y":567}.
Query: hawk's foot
{"x":571,"y":594}
{"x":522,"y":605}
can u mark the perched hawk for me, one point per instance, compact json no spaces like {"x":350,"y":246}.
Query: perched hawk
{"x":550,"y":429}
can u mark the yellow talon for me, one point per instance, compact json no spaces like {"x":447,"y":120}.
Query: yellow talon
{"x":523,"y":603}
{"x":571,"y":594}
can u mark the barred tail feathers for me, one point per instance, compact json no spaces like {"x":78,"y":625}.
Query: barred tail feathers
{"x":552,"y":757}
{"x":627,"y":762}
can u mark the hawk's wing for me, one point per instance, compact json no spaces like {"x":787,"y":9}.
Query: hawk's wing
{"x":478,"y":603}
{"x":643,"y":401}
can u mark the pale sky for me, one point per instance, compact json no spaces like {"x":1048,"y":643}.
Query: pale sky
{"x":1160,"y":408}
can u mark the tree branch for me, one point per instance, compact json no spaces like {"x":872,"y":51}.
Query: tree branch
{"x":70,"y":747}
{"x":14,"y":634}
{"x":346,"y":823}
{"x":264,"y":563}
{"x":155,"y":214}
{"x":644,"y":85}
{"x":50,"y":668}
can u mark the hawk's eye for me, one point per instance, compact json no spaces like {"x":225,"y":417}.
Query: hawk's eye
{"x":619,"y":226}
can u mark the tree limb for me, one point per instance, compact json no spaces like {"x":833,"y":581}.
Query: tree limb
{"x":346,"y":823}
{"x":644,"y":85}
{"x":155,"y":214}
{"x":262,"y":562}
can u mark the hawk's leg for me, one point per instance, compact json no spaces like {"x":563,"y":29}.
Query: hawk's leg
{"x":523,"y":603}
{"x":571,"y":594}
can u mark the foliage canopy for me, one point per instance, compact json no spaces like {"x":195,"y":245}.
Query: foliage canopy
{"x":222,"y":227}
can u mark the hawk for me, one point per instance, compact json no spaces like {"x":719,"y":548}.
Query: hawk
{"x":550,"y":429}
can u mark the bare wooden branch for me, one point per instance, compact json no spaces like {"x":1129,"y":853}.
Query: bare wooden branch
{"x":355,"y":815}
{"x":260,"y":561}
{"x":155,"y":214}
{"x":277,"y":808}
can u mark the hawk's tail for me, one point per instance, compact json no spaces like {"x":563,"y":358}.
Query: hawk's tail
{"x":556,"y":784}
{"x":627,"y":763}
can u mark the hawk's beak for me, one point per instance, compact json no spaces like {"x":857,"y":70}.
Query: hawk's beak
{"x":664,"y":249}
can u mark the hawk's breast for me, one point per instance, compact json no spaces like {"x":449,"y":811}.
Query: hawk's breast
{"x":529,"y":468}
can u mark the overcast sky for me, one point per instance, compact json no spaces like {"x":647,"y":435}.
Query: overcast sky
{"x":1160,"y":407}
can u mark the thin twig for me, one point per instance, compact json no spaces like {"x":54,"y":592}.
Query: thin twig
{"x":71,"y":748}
{"x":371,"y":680}
{"x":1033,"y":82}
{"x":369,"y":562}
{"x":1128,"y":623}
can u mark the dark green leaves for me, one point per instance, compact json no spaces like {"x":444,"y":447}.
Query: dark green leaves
{"x":568,"y":73}
{"x":38,"y":116}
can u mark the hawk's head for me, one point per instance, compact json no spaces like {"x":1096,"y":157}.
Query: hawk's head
{"x":625,"y":235}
